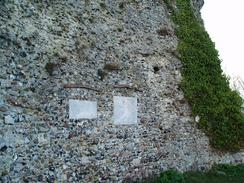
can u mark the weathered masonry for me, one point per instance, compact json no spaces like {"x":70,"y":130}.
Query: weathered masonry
{"x":58,"y":57}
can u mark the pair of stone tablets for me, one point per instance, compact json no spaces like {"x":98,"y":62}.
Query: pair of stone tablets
{"x":124,"y":110}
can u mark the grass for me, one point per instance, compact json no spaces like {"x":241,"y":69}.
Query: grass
{"x":204,"y":84}
{"x":218,"y":174}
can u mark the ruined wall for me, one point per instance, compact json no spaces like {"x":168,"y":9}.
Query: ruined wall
{"x":110,"y":48}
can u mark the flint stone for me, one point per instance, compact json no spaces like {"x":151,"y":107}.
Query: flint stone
{"x":42,"y":138}
{"x":125,"y":110}
{"x":3,"y":144}
{"x":79,"y":109}
{"x":14,"y":139}
{"x":85,"y":160}
{"x":136,"y":161}
{"x":3,"y":108}
{"x":5,"y":162}
{"x":197,"y":119}
{"x":8,"y":119}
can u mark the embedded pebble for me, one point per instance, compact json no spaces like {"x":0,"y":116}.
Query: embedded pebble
{"x":9,"y":119}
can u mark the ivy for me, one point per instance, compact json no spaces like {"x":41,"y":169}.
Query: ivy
{"x":204,"y":84}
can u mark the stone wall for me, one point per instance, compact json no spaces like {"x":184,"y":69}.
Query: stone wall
{"x":105,"y":49}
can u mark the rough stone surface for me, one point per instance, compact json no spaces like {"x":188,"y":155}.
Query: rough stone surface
{"x":8,"y":119}
{"x":52,"y":51}
{"x":198,"y":4}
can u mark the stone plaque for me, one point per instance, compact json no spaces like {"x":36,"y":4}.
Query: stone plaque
{"x":125,"y":110}
{"x":81,"y":109}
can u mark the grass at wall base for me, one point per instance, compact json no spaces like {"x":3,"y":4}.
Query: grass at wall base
{"x":218,"y":174}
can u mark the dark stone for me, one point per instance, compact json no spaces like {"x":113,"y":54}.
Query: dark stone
{"x":50,"y":68}
{"x":23,"y":54}
{"x":3,"y":109}
{"x":51,"y":168}
{"x":101,"y":74}
{"x":163,"y":32}
{"x":121,"y":5}
{"x":40,"y":178}
{"x":156,"y":69}
{"x":3,"y":148}
{"x":51,"y":179}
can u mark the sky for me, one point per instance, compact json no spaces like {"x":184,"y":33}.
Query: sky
{"x":224,"y":21}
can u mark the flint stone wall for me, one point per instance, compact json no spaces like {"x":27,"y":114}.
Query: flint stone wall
{"x":54,"y":51}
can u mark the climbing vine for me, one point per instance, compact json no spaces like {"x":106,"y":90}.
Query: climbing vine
{"x":204,"y":84}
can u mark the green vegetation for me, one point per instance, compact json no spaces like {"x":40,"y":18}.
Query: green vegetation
{"x":218,"y":174}
{"x":204,"y":84}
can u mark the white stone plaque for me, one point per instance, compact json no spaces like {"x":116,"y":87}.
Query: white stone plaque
{"x":81,"y":109}
{"x":125,"y":110}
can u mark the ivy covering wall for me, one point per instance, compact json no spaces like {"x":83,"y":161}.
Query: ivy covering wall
{"x":204,"y":84}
